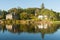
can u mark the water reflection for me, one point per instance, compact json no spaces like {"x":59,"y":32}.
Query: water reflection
{"x":9,"y":27}
{"x":13,"y":28}
{"x":31,"y":28}
{"x":41,"y":26}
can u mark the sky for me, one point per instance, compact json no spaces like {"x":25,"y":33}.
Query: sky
{"x":49,"y":4}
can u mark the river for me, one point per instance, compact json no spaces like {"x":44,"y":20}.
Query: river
{"x":30,"y":32}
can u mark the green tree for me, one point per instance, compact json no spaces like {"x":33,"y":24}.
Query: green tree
{"x":42,"y":6}
{"x":4,"y":14}
{"x":23,"y":16}
{"x":51,"y":14}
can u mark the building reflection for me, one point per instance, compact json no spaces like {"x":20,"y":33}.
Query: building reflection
{"x":9,"y":27}
{"x":13,"y":28}
{"x":41,"y":26}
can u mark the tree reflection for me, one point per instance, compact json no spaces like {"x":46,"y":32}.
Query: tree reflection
{"x":31,"y":28}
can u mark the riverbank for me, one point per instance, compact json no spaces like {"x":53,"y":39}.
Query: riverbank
{"x":56,"y":22}
{"x":27,"y":22}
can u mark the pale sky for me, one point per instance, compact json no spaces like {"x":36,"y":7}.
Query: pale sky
{"x":49,"y":4}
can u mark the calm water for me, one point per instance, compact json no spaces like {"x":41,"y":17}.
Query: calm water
{"x":30,"y":32}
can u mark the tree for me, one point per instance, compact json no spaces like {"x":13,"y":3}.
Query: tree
{"x":4,"y":14}
{"x":1,"y":16}
{"x":42,"y":6}
{"x":51,"y":14}
{"x":23,"y":16}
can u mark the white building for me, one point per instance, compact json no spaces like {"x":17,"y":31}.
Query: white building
{"x":9,"y":16}
{"x":42,"y":17}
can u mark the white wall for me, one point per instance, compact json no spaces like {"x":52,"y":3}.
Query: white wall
{"x":9,"y":16}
